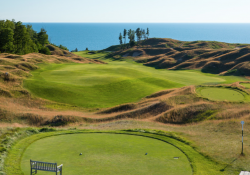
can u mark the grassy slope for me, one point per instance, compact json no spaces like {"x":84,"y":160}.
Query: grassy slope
{"x":114,"y":154}
{"x":105,"y":85}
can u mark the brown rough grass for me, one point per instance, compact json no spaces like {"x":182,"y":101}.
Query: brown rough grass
{"x":211,"y":57}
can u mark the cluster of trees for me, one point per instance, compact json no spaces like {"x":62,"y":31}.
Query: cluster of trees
{"x":141,"y":34}
{"x":20,"y":39}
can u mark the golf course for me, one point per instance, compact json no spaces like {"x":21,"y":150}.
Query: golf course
{"x":146,"y":109}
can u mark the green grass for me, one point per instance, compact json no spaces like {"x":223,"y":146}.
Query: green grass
{"x":221,"y":94}
{"x":247,"y":85}
{"x":107,"y":154}
{"x":134,"y":146}
{"x":106,"y":85}
{"x":95,"y":55}
{"x":95,"y":85}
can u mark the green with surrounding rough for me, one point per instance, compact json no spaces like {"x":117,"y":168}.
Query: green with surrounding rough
{"x":221,"y":94}
{"x":106,"y":85}
{"x":107,"y":154}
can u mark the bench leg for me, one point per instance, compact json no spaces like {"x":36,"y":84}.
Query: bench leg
{"x":31,"y":172}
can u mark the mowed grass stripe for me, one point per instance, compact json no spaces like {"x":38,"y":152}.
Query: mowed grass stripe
{"x":108,"y":154}
{"x":106,"y":85}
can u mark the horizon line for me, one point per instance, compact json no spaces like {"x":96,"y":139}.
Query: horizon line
{"x":149,"y":22}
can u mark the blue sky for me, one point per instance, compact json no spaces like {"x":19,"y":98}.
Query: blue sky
{"x":144,"y":11}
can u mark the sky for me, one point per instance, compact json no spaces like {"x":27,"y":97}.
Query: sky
{"x":127,"y":11}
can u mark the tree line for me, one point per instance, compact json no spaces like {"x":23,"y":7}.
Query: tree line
{"x":141,"y":34}
{"x":20,"y":39}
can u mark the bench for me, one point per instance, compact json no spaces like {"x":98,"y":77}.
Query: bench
{"x":44,"y":166}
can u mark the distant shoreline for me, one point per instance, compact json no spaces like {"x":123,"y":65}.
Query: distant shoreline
{"x":98,"y":36}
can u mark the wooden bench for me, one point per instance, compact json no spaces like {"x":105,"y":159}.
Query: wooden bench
{"x":44,"y":166}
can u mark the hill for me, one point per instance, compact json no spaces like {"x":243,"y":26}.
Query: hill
{"x":15,"y":68}
{"x":209,"y":56}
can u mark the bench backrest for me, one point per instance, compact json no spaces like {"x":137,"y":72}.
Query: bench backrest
{"x":45,"y":166}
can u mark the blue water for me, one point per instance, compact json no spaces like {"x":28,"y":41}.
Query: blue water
{"x":97,"y":36}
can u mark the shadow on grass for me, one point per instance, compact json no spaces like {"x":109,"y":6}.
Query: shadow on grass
{"x":223,"y":169}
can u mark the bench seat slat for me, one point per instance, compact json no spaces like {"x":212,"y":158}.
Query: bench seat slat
{"x":45,"y":166}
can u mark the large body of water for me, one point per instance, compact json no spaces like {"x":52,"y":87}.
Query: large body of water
{"x":97,"y":36}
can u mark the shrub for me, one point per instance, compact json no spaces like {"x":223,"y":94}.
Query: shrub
{"x":32,"y":130}
{"x":47,"y":129}
{"x":63,"y":47}
{"x":232,"y":71}
{"x":2,"y":149}
{"x":132,"y":44}
{"x":45,"y":50}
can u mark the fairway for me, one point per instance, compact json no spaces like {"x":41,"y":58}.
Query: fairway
{"x":214,"y":93}
{"x":106,"y":154}
{"x":106,"y":85}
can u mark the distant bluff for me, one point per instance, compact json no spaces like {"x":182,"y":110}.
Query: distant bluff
{"x":209,"y":56}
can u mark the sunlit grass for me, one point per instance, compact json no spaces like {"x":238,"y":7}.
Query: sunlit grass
{"x":114,"y":154}
{"x":106,"y":85}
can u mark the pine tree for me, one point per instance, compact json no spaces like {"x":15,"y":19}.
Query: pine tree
{"x":124,"y":35}
{"x":147,"y":33}
{"x":120,"y":38}
{"x":131,"y":35}
{"x":143,"y":34}
{"x":138,"y":34}
{"x":6,"y":38}
{"x":21,"y":39}
{"x":42,"y":37}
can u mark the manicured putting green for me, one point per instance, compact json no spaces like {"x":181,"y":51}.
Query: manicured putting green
{"x":107,"y":85}
{"x":247,"y":85}
{"x":221,"y":94}
{"x":106,"y":154}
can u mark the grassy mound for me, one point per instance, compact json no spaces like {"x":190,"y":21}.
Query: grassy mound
{"x":107,"y":154}
{"x":221,"y":94}
{"x":189,"y":114}
{"x":106,"y":85}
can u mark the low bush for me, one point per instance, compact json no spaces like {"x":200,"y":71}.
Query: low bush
{"x":46,"y":129}
{"x":45,"y":50}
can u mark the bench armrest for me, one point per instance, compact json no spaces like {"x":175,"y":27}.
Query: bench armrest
{"x":59,"y":166}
